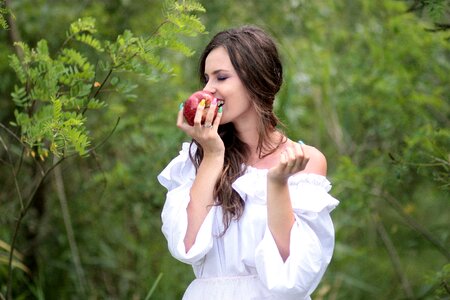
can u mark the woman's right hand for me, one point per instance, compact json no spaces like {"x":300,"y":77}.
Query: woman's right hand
{"x":206,"y":135}
{"x":202,"y":190}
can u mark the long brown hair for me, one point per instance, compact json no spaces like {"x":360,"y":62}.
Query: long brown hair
{"x":255,"y":58}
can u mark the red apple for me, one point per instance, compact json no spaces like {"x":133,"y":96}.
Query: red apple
{"x":191,"y":104}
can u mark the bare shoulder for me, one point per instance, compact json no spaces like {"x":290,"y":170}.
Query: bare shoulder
{"x":317,"y":163}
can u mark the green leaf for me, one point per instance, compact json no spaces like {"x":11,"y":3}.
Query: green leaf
{"x":17,"y":66}
{"x":89,"y":40}
{"x":3,"y":11}
{"x":82,"y":25}
{"x":20,"y":97}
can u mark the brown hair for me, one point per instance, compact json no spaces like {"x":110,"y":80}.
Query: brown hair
{"x":255,"y":58}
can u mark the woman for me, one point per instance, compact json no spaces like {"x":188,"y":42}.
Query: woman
{"x":247,"y":207}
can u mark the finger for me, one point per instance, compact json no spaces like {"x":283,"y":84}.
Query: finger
{"x":199,"y":114}
{"x":180,"y":119}
{"x":301,"y":156}
{"x":291,"y":157}
{"x":216,"y":122}
{"x":283,"y":159}
{"x":298,"y":150}
{"x":183,"y":125}
{"x":210,"y":114}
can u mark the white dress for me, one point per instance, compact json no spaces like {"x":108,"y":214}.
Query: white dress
{"x":245,"y":263}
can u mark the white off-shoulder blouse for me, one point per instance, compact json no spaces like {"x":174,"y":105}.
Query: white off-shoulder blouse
{"x":245,"y":263}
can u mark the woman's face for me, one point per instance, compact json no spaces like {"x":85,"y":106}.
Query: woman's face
{"x":223,"y":81}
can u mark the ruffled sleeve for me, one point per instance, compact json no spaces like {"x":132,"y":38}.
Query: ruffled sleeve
{"x":178,"y":178}
{"x":312,"y":235}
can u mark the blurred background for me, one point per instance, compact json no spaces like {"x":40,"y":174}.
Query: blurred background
{"x":87,"y":115}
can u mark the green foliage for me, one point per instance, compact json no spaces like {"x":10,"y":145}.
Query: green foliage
{"x":140,"y":55}
{"x":426,"y":151}
{"x":436,"y":8}
{"x":68,"y":82}
{"x":432,"y":11}
{"x":82,"y":30}
{"x":5,"y":250}
{"x":3,"y":11}
{"x":51,"y":99}
{"x":57,"y":99}
{"x":439,"y":282}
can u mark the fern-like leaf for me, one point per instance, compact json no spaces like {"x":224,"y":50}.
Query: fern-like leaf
{"x":187,"y":6}
{"x":96,"y":104}
{"x":73,"y":57}
{"x":89,"y":40}
{"x":57,"y":110}
{"x":17,"y":66}
{"x":27,"y":57}
{"x":78,"y":139}
{"x":82,"y":25}
{"x":188,"y":25}
{"x":3,"y":11}
{"x":20,"y":97}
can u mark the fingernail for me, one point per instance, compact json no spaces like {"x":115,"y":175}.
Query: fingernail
{"x":220,"y":109}
{"x":202,"y":103}
{"x":181,"y":106}
{"x":214,"y":101}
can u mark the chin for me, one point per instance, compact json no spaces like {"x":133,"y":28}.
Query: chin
{"x":224,"y":121}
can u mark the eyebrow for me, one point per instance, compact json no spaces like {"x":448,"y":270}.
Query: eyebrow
{"x":216,"y":71}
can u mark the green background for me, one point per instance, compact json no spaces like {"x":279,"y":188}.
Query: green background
{"x":366,"y":82}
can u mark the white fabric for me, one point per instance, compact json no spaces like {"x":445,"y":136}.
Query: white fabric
{"x":244,"y":263}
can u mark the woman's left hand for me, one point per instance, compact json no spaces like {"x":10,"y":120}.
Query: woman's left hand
{"x":292,"y":160}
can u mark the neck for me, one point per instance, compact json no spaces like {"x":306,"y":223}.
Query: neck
{"x":261,"y":157}
{"x":247,"y":131}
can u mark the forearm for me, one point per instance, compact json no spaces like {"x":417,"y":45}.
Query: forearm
{"x":280,"y":216}
{"x":202,"y":196}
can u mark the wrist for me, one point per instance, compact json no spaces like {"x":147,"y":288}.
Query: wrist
{"x":213,"y":158}
{"x":277,"y":181}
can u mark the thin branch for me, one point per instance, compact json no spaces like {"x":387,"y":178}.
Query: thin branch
{"x":13,"y":171}
{"x":413,"y":223}
{"x":101,"y":85}
{"x":12,"y":134}
{"x":22,"y":214}
{"x":103,"y":173}
{"x":24,"y":146}
{"x":105,"y":139}
{"x":98,"y":90}
{"x":152,"y":289}
{"x":155,"y":32}
{"x":393,"y":255}
{"x":60,"y":191}
{"x":14,"y":31}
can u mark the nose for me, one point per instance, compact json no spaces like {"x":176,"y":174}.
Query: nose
{"x":209,"y":87}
